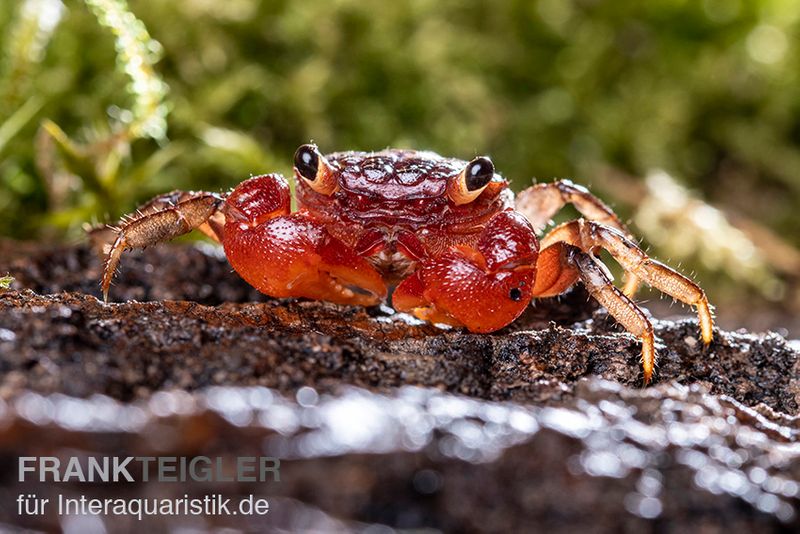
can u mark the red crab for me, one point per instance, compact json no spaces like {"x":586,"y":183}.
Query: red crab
{"x":447,"y":234}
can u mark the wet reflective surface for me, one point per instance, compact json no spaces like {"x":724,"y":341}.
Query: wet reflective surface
{"x":635,"y":440}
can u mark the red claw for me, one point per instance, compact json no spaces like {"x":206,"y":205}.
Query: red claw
{"x":259,"y":199}
{"x":508,"y":239}
{"x":284,"y":254}
{"x":484,"y":287}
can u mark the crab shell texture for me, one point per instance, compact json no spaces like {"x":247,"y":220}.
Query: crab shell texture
{"x":393,"y":207}
{"x":407,"y":219}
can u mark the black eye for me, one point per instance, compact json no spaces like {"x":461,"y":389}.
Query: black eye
{"x":306,"y":161}
{"x":515,"y":294}
{"x":479,"y":173}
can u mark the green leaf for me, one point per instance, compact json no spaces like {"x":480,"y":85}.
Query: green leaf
{"x":19,"y":119}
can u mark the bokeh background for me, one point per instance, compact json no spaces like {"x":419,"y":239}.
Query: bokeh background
{"x":682,"y":114}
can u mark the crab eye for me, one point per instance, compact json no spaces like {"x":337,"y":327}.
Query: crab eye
{"x":478,"y":173}
{"x":306,"y":161}
{"x":471,"y":182}
{"x":315,"y":169}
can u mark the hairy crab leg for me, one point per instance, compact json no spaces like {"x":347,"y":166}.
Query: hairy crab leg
{"x":561,"y":265}
{"x":161,"y":220}
{"x":212,"y":228}
{"x":540,"y":202}
{"x":590,"y":235}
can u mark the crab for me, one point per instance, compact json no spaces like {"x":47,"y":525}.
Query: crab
{"x":447,"y":235}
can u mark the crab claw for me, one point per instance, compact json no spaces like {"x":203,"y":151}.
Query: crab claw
{"x":292,"y":255}
{"x":484,"y":287}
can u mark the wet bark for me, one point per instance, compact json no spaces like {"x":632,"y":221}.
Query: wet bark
{"x":184,"y":326}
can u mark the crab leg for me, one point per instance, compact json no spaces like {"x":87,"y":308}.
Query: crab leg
{"x":212,"y":228}
{"x":540,"y":202}
{"x":590,"y":235}
{"x":161,"y":221}
{"x":560,"y":265}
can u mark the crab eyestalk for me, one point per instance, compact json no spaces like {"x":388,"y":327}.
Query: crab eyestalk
{"x":471,"y":182}
{"x":315,"y":170}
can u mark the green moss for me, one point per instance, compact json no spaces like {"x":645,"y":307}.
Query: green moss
{"x":709,"y":91}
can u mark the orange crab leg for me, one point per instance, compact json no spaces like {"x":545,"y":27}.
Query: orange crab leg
{"x":161,"y":219}
{"x":590,"y":236}
{"x":561,"y":265}
{"x":540,"y":202}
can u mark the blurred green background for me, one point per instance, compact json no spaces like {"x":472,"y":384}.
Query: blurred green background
{"x":684,"y":115}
